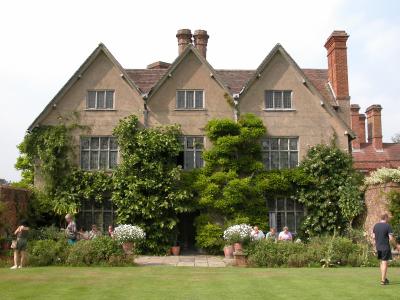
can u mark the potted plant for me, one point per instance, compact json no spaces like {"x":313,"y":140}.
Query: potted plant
{"x":128,"y":235}
{"x":176,"y":249}
{"x":237,"y":235}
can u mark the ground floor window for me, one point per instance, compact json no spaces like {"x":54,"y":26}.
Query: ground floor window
{"x":192,"y":155}
{"x":285,"y":211}
{"x":94,"y":212}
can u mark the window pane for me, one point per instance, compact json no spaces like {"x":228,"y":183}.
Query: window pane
{"x":107,"y":221}
{"x":98,"y":220}
{"x":274,"y":144}
{"x":284,"y":159}
{"x":299,"y":220}
{"x":85,"y":142}
{"x":274,"y":160}
{"x":280,"y":220}
{"x":85,"y":160}
{"x":91,"y":100}
{"x":289,"y":204}
{"x":293,"y":159}
{"x":199,"y":159}
{"x":101,"y":99}
{"x":299,"y":206}
{"x":104,"y":160}
{"x":180,"y":99}
{"x":104,"y":143}
{"x":293,"y":144}
{"x":287,"y":99}
{"x":189,"y":143}
{"x":113,"y":159}
{"x":199,"y":142}
{"x":278,"y":99}
{"x":94,"y":160}
{"x":109,"y":99}
{"x":189,"y":160}
{"x":283,"y":144}
{"x":290,"y":221}
{"x":113,"y":143}
{"x":265,"y":144}
{"x":107,"y":205}
{"x":199,"y":99}
{"x":189,"y":99}
{"x":269,"y":100}
{"x":94,"y":143}
{"x":280,"y":204}
{"x":87,"y":221}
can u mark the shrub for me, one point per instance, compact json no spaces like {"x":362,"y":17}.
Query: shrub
{"x":100,"y":250}
{"x":209,"y":238}
{"x":47,"y":252}
{"x":46,"y":233}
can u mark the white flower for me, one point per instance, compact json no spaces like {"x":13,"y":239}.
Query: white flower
{"x":383,"y":175}
{"x":129,"y":233}
{"x":243,"y":231}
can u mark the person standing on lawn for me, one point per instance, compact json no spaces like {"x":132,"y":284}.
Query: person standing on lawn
{"x":20,"y":246}
{"x":383,"y":235}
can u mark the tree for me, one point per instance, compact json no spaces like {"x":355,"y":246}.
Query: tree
{"x":396,"y":138}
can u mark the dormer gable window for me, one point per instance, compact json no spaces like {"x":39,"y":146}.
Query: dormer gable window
{"x":278,"y":100}
{"x":189,"y":99}
{"x":100,"y":100}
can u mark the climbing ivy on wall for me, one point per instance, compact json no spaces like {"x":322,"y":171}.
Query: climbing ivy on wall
{"x":149,"y":187}
{"x":333,"y":195}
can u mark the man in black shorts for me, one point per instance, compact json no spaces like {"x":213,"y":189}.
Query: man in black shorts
{"x":383,"y":234}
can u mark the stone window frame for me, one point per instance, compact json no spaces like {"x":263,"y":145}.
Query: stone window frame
{"x":96,"y":104}
{"x":185,"y":106}
{"x":274,"y":106}
{"x":97,"y":210}
{"x":196,"y":150}
{"x":99,"y":149}
{"x":289,"y":150}
{"x":278,"y":206}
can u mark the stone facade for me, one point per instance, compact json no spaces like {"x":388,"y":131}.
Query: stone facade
{"x":16,"y":205}
{"x":376,"y":203}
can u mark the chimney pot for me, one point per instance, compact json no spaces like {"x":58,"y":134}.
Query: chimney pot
{"x":184,"y":39}
{"x":200,"y":41}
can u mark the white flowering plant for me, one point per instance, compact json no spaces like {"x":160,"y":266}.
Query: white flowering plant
{"x":383,"y":175}
{"x":238,"y":233}
{"x":129,"y":233}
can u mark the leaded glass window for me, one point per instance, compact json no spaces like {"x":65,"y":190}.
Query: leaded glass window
{"x":191,"y":156}
{"x":99,"y":153}
{"x":190,"y":99}
{"x":99,"y":213}
{"x":278,"y":100}
{"x":102,"y":99}
{"x":280,"y":153}
{"x":285,"y":211}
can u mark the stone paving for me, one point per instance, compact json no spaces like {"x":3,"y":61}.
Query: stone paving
{"x":184,"y":261}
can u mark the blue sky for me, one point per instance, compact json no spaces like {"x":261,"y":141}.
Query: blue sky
{"x":44,"y":42}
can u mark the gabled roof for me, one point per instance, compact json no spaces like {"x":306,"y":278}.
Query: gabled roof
{"x":306,"y":81}
{"x":145,"y":79}
{"x":101,"y":48}
{"x":189,"y":49}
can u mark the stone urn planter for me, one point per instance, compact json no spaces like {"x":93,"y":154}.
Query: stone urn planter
{"x":228,"y":251}
{"x":237,"y":247}
{"x":176,"y":250}
{"x":128,"y":247}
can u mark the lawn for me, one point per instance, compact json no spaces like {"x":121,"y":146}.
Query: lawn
{"x":163,"y":282}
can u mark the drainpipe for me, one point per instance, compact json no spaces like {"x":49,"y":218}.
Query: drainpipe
{"x":236,"y":107}
{"x":145,"y":111}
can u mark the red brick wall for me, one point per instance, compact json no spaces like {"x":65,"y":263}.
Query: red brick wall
{"x":16,"y":205}
{"x":377,"y":204}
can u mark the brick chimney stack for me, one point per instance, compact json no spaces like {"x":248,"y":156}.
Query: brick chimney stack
{"x":375,"y":126}
{"x":355,"y":126}
{"x":337,"y":63}
{"x":337,"y":70}
{"x":184,"y":39}
{"x":200,"y":41}
{"x":362,"y":137}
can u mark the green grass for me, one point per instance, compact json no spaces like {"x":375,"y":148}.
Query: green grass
{"x":162,"y":282}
